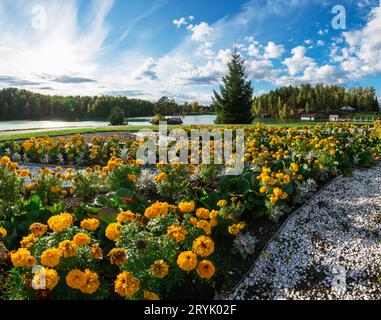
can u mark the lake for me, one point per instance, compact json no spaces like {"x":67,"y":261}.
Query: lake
{"x":141,"y":121}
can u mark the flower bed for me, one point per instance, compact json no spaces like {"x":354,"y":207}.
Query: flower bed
{"x":121,"y":231}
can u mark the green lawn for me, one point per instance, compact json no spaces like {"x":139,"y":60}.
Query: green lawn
{"x":10,"y":135}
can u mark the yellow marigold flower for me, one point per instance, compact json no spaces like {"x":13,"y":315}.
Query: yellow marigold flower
{"x":76,"y":279}
{"x":24,"y":173}
{"x":205,"y":226}
{"x":55,"y":189}
{"x":148,"y":295}
{"x":126,"y":285}
{"x":60,"y":222}
{"x":14,"y":165}
{"x":187,"y":261}
{"x":82,"y":239}
{"x":284,"y":196}
{"x":5,"y":160}
{"x":263,"y":189}
{"x":274,"y":199}
{"x":45,"y":278}
{"x":91,"y":282}
{"x":214,"y":214}
{"x":113,"y":231}
{"x":236,"y":228}
{"x":126,"y":216}
{"x":177,"y":233}
{"x":186,"y":207}
{"x":96,"y":252}
{"x":159,"y":269}
{"x":3,"y":233}
{"x":38,"y":229}
{"x":294,"y":167}
{"x":22,"y":258}
{"x":203,"y":246}
{"x":214,"y":222}
{"x":160,"y":177}
{"x":28,"y":241}
{"x":193,"y":221}
{"x":106,"y":169}
{"x":160,"y":165}
{"x":58,"y":169}
{"x":132,"y":177}
{"x":206,"y":269}
{"x":157,"y":210}
{"x":222,"y":203}
{"x":90,"y":224}
{"x":117,"y":256}
{"x":51,"y":257}
{"x":278,"y":192}
{"x":203,"y":213}
{"x":68,"y":248}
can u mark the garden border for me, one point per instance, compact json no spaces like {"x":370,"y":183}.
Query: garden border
{"x":264,"y":249}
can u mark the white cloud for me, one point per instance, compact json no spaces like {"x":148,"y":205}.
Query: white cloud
{"x":273,"y":51}
{"x":320,"y":43}
{"x":180,"y":22}
{"x":308,"y":42}
{"x":200,"y":32}
{"x":253,"y":50}
{"x":298,"y":62}
{"x":148,"y":70}
{"x":260,"y":70}
{"x":365,"y":45}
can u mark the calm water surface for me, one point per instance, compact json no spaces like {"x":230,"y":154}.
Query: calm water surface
{"x":28,"y":124}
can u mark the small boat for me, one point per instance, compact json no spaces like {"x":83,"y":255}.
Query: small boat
{"x":175,"y":120}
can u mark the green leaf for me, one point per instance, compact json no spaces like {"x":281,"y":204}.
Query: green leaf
{"x":107,"y":215}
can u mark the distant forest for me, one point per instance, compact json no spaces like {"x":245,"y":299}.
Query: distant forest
{"x":18,"y":104}
{"x":290,"y":102}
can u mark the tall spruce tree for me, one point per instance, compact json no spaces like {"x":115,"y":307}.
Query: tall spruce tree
{"x":235,"y":100}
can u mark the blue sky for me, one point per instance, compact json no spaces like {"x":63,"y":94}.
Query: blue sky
{"x":146,"y":49}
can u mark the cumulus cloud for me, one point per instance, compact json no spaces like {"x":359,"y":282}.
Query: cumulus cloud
{"x":148,"y":70}
{"x":200,"y":32}
{"x":180,"y":22}
{"x":253,"y":50}
{"x":273,"y":51}
{"x":364,"y":46}
{"x":298,"y":62}
{"x":260,"y":70}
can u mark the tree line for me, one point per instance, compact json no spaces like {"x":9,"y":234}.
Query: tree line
{"x":19,"y":104}
{"x":290,"y":102}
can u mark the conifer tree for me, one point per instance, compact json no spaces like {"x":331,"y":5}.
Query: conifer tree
{"x":235,"y":99}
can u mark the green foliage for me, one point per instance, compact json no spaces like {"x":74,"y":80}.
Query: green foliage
{"x":13,"y":102}
{"x":290,"y":102}
{"x":116,"y":117}
{"x":18,"y":217}
{"x":86,"y":185}
{"x":120,"y":177}
{"x":166,"y":106}
{"x":11,"y":185}
{"x":48,"y":187}
{"x":234,"y":102}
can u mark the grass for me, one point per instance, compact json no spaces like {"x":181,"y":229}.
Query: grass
{"x":16,"y":135}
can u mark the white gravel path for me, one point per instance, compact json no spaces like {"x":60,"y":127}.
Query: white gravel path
{"x":330,"y":249}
